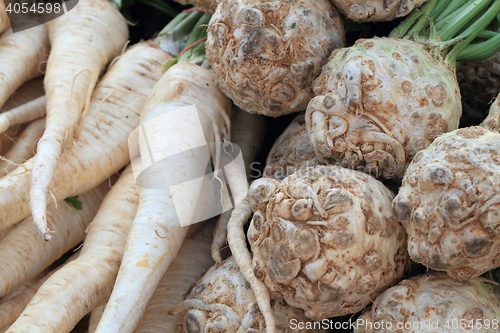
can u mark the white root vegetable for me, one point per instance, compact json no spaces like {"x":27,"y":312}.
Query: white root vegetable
{"x":83,"y":41}
{"x":8,"y":138}
{"x":237,"y":242}
{"x":101,"y":148}
{"x":5,"y":231}
{"x":23,"y":148}
{"x":20,"y":57}
{"x":156,"y":234}
{"x":11,"y":309}
{"x":432,"y":302}
{"x":23,"y":255}
{"x":27,"y":112}
{"x":247,"y":132}
{"x":4,"y":19}
{"x":192,"y":261}
{"x":29,"y":91}
{"x":95,"y":317}
{"x":26,"y":93}
{"x":85,"y":283}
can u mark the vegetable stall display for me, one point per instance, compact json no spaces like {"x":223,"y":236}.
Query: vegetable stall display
{"x":282,"y":112}
{"x":382,"y":100}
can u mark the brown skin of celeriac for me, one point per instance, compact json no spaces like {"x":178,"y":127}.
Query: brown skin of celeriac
{"x":222,"y":301}
{"x":449,"y":203}
{"x":434,"y":302}
{"x":376,"y":10}
{"x":208,"y":5}
{"x":326,"y":239}
{"x":291,"y":151}
{"x":378,"y":103}
{"x":265,"y":55}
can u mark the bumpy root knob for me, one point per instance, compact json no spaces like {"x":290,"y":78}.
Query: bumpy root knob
{"x":378,"y":103}
{"x":376,"y":10}
{"x":266,"y":55}
{"x":449,"y":203}
{"x":327,"y":240}
{"x":222,"y":301}
{"x":434,"y":299}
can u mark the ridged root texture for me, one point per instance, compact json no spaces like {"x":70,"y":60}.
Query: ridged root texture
{"x":436,"y":299}
{"x":266,"y":54}
{"x":326,"y":239}
{"x":291,"y":151}
{"x":378,"y":103}
{"x":449,"y":203}
{"x":376,"y":10}
{"x":222,"y":301}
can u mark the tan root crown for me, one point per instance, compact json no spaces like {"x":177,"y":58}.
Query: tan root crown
{"x":326,"y":239}
{"x":378,"y":103}
{"x":449,"y":203}
{"x":435,"y":299}
{"x":222,"y":301}
{"x":266,"y":54}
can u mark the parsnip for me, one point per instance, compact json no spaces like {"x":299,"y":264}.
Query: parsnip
{"x":23,"y":148}
{"x":156,"y":234}
{"x":247,"y":132}
{"x":11,"y":309}
{"x":192,"y":260}
{"x":20,"y":57}
{"x":101,"y":148}
{"x":24,"y":113}
{"x":83,"y":41}
{"x":23,"y":255}
{"x":82,"y":285}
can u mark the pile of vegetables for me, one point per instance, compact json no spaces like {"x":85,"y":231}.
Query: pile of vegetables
{"x":131,"y":164}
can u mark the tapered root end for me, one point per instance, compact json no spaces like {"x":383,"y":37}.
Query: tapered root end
{"x":45,"y":234}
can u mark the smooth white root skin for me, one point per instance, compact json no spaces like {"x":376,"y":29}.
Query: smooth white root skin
{"x":4,"y":19}
{"x":20,"y":57}
{"x":27,"y":112}
{"x":26,"y":93}
{"x":247,"y":132}
{"x":23,"y":148}
{"x":4,"y":233}
{"x":83,"y":41}
{"x":237,"y":242}
{"x":156,"y":234}
{"x":101,"y":148}
{"x":95,"y":317}
{"x":192,"y":261}
{"x":82,"y":285}
{"x":11,"y":309}
{"x":23,"y":255}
